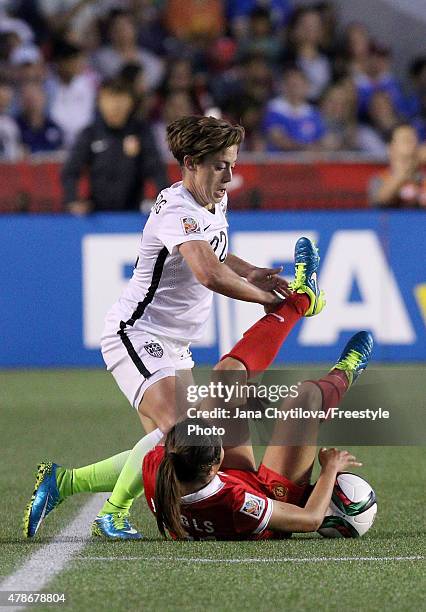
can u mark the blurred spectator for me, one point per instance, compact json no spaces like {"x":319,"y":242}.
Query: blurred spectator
{"x":118,"y":152}
{"x":382,"y":115}
{"x":180,"y":77}
{"x":343,"y":132}
{"x":221,"y":55}
{"x":29,"y":12}
{"x":39,"y":134}
{"x":73,"y":19}
{"x":378,"y":77}
{"x":27,"y":66}
{"x":290,"y":122}
{"x":10,"y":147}
{"x":9,"y":44}
{"x":417,"y":101}
{"x":16,"y":39}
{"x":328,"y":13}
{"x":403,"y":183}
{"x":242,"y":94}
{"x":305,"y":36}
{"x":148,"y":14}
{"x":19,"y":27}
{"x":132,"y":74}
{"x":123,"y":48}
{"x":251,"y":118}
{"x":238,"y":14}
{"x":177,"y":104}
{"x":251,"y":83}
{"x":72,"y":90}
{"x":355,"y":53}
{"x":194,"y":19}
{"x":260,"y":39}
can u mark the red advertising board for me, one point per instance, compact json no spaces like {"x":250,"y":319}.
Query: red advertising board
{"x":269,"y":184}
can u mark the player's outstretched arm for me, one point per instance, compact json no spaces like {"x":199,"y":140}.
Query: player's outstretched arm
{"x":288,"y":517}
{"x":219,"y":277}
{"x":267,"y":279}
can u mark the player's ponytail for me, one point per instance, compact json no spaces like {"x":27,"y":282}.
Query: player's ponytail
{"x":186,"y":459}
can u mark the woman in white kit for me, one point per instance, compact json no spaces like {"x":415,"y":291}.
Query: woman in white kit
{"x":184,"y":245}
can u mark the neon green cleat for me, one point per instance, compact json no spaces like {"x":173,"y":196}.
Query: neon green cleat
{"x":115,"y":526}
{"x":356,"y":355}
{"x":306,"y":260}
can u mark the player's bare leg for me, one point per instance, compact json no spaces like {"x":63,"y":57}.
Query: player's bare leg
{"x":159,"y":403}
{"x":295,"y":462}
{"x":156,"y":398}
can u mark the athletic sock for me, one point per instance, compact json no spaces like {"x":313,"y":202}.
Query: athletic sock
{"x":332,"y":387}
{"x":260,"y":344}
{"x":129,"y":484}
{"x":93,"y":478}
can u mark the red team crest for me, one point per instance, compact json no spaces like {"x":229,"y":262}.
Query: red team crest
{"x":280,"y":491}
{"x":190,"y":225}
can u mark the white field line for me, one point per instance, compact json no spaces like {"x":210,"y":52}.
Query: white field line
{"x":49,"y":560}
{"x":253,"y":560}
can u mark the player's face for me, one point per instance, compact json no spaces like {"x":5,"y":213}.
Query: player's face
{"x":212,"y":176}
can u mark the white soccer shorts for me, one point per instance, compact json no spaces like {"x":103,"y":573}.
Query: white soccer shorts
{"x":138,"y":359}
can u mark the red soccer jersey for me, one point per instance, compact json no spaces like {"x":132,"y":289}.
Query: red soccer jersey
{"x":225,"y":509}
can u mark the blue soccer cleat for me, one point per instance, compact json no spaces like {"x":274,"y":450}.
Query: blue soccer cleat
{"x":306,"y":261}
{"x":356,"y":355}
{"x":44,"y":499}
{"x":115,"y":526}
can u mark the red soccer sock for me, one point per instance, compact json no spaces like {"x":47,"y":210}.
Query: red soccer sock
{"x":260,"y":344}
{"x":333,"y":387}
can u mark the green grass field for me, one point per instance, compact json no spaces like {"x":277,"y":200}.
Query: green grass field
{"x":76,"y":417}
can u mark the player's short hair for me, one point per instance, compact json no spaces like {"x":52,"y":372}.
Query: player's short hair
{"x":199,"y":136}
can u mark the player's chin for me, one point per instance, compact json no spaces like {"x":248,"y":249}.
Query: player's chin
{"x":219,"y":195}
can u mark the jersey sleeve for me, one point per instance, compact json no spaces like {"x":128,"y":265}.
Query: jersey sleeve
{"x":251,"y":512}
{"x":177,"y":225}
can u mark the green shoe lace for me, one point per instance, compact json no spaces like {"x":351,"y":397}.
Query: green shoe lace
{"x":299,"y":278}
{"x":120,"y":520}
{"x":349,"y":364}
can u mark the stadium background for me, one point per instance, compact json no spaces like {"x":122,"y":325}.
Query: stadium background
{"x":58,"y":268}
{"x":60,"y":273}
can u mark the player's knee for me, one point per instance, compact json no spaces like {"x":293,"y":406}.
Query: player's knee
{"x":166,"y":422}
{"x":308,"y":393}
{"x":163,"y":418}
{"x":229,"y":363}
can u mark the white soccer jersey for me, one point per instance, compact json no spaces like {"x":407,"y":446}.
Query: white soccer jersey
{"x":163,"y":296}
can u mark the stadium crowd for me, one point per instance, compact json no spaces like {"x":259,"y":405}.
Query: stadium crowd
{"x":288,"y":74}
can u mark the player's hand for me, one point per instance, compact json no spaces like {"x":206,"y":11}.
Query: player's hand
{"x":268,"y":279}
{"x":336,"y":459}
{"x":80,"y":208}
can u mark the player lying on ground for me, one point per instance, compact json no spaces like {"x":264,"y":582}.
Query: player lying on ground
{"x":194,"y":497}
{"x":121,"y":473}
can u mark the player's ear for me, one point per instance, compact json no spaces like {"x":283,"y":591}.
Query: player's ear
{"x":189,"y":162}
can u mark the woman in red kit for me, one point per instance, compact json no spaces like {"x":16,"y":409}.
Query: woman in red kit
{"x":195,"y":497}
